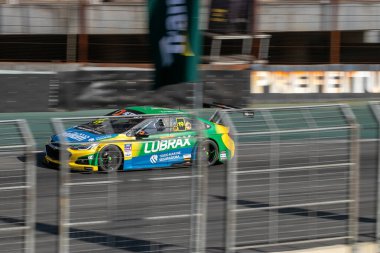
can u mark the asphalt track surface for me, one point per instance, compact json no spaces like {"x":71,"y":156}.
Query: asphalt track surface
{"x":154,"y":207}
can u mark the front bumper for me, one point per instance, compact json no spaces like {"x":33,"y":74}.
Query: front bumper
{"x":73,"y":157}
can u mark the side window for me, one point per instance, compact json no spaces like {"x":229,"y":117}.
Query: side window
{"x":156,"y":126}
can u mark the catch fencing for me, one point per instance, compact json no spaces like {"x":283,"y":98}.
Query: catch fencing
{"x":159,"y":210}
{"x":17,"y":187}
{"x":294,"y":179}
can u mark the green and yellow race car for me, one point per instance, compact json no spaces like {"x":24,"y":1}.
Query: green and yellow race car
{"x":140,"y":137}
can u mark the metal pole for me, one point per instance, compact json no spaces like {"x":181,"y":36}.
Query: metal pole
{"x":64,"y":192}
{"x":273,"y":176}
{"x":375,"y":108}
{"x":31,"y":183}
{"x":231,"y":191}
{"x":354,"y":176}
{"x":335,"y":34}
{"x":83,"y":36}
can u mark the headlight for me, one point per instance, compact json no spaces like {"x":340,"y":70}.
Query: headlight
{"x":83,"y":146}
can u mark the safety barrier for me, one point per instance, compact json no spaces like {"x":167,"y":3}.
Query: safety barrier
{"x":294,"y":178}
{"x":375,"y":108}
{"x":156,"y":210}
{"x":17,"y":187}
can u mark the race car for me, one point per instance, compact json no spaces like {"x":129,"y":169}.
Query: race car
{"x":140,"y":137}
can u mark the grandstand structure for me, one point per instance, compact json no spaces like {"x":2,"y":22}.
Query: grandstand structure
{"x":300,"y":31}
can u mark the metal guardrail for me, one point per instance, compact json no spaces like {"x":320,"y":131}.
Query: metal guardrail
{"x":165,"y":210}
{"x":375,"y":108}
{"x":17,"y":187}
{"x":294,"y":178}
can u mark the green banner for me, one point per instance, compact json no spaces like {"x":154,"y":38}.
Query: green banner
{"x":175,"y":40}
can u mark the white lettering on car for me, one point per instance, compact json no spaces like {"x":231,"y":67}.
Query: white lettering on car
{"x":162,"y":145}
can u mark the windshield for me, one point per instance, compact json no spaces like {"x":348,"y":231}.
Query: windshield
{"x":110,"y":125}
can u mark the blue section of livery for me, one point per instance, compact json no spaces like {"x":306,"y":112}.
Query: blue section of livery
{"x":74,"y":135}
{"x":159,"y":159}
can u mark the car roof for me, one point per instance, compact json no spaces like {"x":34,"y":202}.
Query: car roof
{"x":153,"y":110}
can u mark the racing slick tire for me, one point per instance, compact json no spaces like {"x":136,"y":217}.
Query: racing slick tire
{"x":110,"y":159}
{"x":209,"y":152}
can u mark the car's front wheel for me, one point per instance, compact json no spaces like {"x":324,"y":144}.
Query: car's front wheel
{"x":209,"y":152}
{"x":110,"y":158}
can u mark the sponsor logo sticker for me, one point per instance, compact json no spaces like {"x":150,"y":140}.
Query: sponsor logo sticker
{"x":223,"y":155}
{"x":154,"y":159}
{"x":162,"y":145}
{"x":76,"y":136}
{"x":128,"y":150}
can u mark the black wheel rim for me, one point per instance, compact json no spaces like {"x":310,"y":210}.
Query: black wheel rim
{"x":109,"y":159}
{"x":209,"y":152}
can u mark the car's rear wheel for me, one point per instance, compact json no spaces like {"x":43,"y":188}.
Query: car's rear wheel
{"x":110,"y":158}
{"x":209,"y":152}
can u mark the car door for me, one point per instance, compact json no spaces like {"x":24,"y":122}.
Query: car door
{"x":165,"y":141}
{"x":184,"y":135}
{"x":152,"y":141}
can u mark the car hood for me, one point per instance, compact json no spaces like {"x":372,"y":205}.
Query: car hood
{"x":74,"y":135}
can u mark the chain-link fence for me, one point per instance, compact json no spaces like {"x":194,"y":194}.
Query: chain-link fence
{"x":17,"y":187}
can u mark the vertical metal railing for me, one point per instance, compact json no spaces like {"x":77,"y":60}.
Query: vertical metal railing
{"x":231,"y":180}
{"x":18,"y":140}
{"x":354,"y":176}
{"x":281,"y":131}
{"x":375,"y":109}
{"x":31,"y":182}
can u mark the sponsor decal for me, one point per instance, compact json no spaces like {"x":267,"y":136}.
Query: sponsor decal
{"x":123,"y":112}
{"x":90,"y":157}
{"x":223,"y":155}
{"x":128,"y":150}
{"x":167,"y":157}
{"x":162,"y":145}
{"x":187,"y":156}
{"x":107,"y":136}
{"x":98,"y":121}
{"x":76,"y":136}
{"x":154,"y":159}
{"x":180,"y":126}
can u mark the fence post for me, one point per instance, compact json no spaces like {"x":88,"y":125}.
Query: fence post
{"x":354,"y":175}
{"x":273,"y":175}
{"x":63,"y":198}
{"x":31,"y":183}
{"x":375,"y":109}
{"x":231,"y":178}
